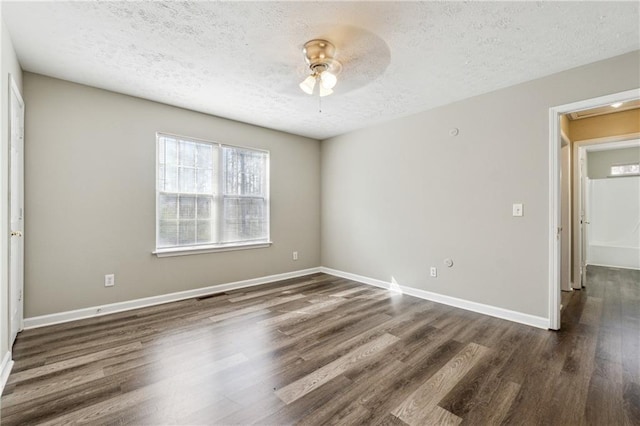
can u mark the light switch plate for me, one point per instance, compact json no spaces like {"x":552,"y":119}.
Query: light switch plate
{"x":518,"y":210}
{"x":109,"y":280}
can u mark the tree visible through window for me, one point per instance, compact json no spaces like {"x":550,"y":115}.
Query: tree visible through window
{"x":210,"y":195}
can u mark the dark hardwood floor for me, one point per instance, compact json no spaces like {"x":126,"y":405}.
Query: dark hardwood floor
{"x":324,"y":350}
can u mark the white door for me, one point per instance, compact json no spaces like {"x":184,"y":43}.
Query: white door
{"x":16,"y":210}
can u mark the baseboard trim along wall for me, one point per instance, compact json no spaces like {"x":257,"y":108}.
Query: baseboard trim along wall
{"x":95,"y":311}
{"x":480,"y":308}
{"x":614,"y":266}
{"x":5,"y":370}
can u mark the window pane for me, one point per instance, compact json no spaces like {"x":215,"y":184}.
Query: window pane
{"x":205,"y":157}
{"x":167,"y":233}
{"x":171,"y":178}
{"x":244,"y":219}
{"x":161,"y":150}
{"x":187,"y":154}
{"x":204,"y":231}
{"x":161,"y":174}
{"x":625,"y":169}
{"x":245,"y":171}
{"x":171,"y":151}
{"x":168,"y":208}
{"x":187,"y":232}
{"x":204,"y":181}
{"x":232,"y":174}
{"x":187,"y":207}
{"x":187,"y":180}
{"x":204,"y":207}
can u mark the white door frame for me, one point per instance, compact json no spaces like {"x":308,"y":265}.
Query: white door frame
{"x":583,"y":172}
{"x":555,"y":143}
{"x":566,"y":231}
{"x":16,"y":288}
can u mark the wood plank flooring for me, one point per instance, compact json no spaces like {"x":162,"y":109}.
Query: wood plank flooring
{"x":322,"y":350}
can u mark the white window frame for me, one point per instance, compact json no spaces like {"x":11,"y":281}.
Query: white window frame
{"x":219,"y":247}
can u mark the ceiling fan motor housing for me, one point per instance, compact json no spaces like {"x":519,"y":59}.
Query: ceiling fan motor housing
{"x":319,"y":55}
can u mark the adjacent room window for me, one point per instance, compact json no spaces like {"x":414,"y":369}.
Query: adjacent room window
{"x":625,"y":169}
{"x":210,"y":196}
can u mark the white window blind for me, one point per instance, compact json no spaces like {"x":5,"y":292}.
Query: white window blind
{"x":210,"y":195}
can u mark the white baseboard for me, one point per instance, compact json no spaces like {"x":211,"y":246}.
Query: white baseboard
{"x":94,"y":311}
{"x":614,"y":266}
{"x":493,"y":311}
{"x":5,"y":370}
{"x":355,"y":277}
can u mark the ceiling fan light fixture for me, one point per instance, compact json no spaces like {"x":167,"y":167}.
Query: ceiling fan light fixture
{"x":324,"y":91}
{"x":319,"y":56}
{"x":328,"y":80}
{"x":308,"y":84}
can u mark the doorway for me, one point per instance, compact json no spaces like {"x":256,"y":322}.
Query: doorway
{"x":609,"y":202}
{"x":555,"y":191}
{"x":16,"y":210}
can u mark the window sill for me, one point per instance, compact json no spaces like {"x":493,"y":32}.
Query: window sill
{"x":185,"y":251}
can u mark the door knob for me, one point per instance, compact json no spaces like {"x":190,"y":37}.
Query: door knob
{"x":16,"y":233}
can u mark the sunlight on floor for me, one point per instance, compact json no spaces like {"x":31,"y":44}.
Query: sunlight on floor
{"x":395,"y":287}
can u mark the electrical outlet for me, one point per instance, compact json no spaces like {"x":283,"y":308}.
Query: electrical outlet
{"x":109,"y":280}
{"x":518,"y":210}
{"x":434,"y":271}
{"x":295,"y":255}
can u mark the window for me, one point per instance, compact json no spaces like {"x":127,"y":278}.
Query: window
{"x":210,"y":196}
{"x":625,"y":169}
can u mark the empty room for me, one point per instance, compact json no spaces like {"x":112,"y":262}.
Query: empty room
{"x":399,"y":213}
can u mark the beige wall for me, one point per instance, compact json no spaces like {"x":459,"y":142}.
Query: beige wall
{"x":402,"y":196}
{"x":9,"y":65}
{"x":619,"y":123}
{"x":90,"y":199}
{"x":599,"y":162}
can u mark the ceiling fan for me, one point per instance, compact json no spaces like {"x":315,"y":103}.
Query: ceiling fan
{"x":319,"y":56}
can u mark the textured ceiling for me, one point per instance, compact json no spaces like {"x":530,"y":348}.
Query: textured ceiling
{"x":243,"y":60}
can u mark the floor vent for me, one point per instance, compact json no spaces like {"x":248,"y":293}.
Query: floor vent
{"x":209,"y":296}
